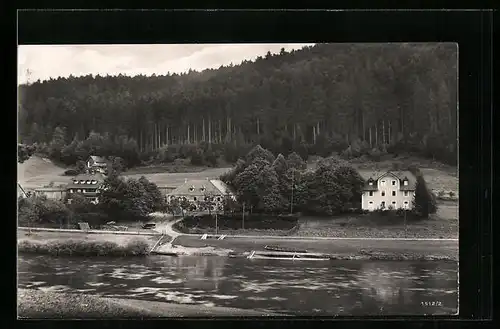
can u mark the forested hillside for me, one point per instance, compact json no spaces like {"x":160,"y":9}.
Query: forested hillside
{"x":317,"y":100}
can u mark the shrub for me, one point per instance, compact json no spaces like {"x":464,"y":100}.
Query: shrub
{"x":211,"y":158}
{"x":424,"y":202}
{"x":197,"y":158}
{"x":71,"y":172}
{"x":136,"y":247}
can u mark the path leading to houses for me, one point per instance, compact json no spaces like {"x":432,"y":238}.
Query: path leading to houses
{"x":166,"y":228}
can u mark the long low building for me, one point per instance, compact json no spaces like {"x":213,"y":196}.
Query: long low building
{"x":199,"y":190}
{"x":54,"y":193}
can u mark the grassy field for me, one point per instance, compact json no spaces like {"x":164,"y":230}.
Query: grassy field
{"x":444,"y":224}
{"x":38,"y":172}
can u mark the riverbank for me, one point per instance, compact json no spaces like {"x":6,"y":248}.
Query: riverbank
{"x":366,"y":249}
{"x":442,"y":225}
{"x":37,"y":304}
{"x":336,"y":248}
{"x":83,"y":244}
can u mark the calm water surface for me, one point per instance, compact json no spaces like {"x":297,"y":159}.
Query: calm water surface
{"x":291,"y":287}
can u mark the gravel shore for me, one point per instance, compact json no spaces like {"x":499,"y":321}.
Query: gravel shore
{"x":35,"y":304}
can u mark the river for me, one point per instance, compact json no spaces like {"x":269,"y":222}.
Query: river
{"x":290,"y":287}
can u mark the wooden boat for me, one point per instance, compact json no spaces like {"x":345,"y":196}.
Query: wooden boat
{"x":284,"y":249}
{"x":287,"y":255}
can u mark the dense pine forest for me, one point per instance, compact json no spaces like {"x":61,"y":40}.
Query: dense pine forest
{"x":348,"y":98}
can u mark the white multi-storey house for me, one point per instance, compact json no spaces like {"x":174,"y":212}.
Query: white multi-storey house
{"x":385,"y":190}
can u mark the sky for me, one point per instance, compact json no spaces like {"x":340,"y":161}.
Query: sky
{"x":52,"y":61}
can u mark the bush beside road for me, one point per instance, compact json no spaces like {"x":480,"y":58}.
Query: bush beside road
{"x":64,"y":243}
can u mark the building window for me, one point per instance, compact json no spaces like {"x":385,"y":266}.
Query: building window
{"x":406,"y":193}
{"x":94,"y":182}
{"x":393,"y":193}
{"x":371,"y":193}
{"x":405,"y":205}
{"x":405,"y":182}
{"x":194,"y":198}
{"x":79,"y":191}
{"x":393,"y":183}
{"x":394,"y":203}
{"x":382,"y":204}
{"x":218,"y":199}
{"x":87,"y":182}
{"x":382,"y":183}
{"x":382,"y":193}
{"x":371,"y":202}
{"x":370,"y":183}
{"x":75,"y":182}
{"x":71,"y":190}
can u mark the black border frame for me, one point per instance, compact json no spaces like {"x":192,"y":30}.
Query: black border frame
{"x":472,"y":30}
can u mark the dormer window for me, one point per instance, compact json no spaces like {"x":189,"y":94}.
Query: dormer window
{"x":370,"y":182}
{"x":202,"y":189}
{"x":75,"y":182}
{"x":191,"y":189}
{"x":87,"y":182}
{"x":82,"y":182}
{"x":405,"y":182}
{"x":94,"y":182}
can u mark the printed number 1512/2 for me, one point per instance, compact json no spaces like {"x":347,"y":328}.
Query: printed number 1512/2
{"x":431,"y":303}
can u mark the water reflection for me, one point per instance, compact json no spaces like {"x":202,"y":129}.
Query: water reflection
{"x":321,"y":288}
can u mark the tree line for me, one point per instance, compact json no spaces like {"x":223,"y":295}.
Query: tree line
{"x":120,"y":200}
{"x":316,"y":100}
{"x":262,"y":183}
{"x":275,"y":185}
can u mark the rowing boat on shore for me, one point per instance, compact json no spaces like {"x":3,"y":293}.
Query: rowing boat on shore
{"x":287,"y":255}
{"x":284,"y":249}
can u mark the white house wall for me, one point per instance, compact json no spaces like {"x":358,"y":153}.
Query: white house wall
{"x":401,"y":199}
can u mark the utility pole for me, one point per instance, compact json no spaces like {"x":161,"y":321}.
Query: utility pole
{"x":291,"y":200}
{"x":216,"y":223}
{"x":405,"y":223}
{"x":243,"y":216}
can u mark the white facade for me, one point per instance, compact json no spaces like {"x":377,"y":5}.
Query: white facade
{"x":388,"y":191}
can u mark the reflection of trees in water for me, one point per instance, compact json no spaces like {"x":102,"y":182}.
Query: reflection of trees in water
{"x":383,"y":284}
{"x":197,"y":272}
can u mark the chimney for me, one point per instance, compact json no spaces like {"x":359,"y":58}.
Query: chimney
{"x":185,"y":180}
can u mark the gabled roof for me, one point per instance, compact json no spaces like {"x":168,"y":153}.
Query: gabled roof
{"x":96,"y":158}
{"x":400,"y":174}
{"x":199,"y":187}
